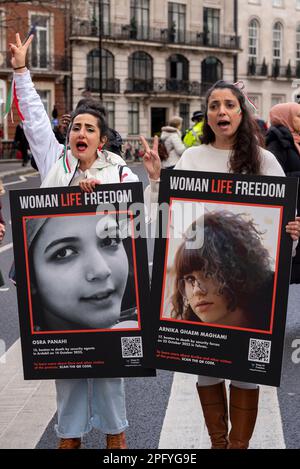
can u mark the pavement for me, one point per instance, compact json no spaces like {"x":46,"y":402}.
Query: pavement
{"x":10,"y":168}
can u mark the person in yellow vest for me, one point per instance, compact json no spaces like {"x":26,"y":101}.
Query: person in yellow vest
{"x":192,"y":135}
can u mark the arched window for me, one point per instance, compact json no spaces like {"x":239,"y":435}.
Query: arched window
{"x":93,"y":70}
{"x":253,"y":37}
{"x":140,"y":72}
{"x":178,"y":67}
{"x":211,"y":71}
{"x":177,"y":73}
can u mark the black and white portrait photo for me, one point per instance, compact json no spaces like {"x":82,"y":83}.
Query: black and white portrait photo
{"x":81,"y":273}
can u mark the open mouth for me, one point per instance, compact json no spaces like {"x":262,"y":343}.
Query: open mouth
{"x":223,"y":124}
{"x":81,"y":146}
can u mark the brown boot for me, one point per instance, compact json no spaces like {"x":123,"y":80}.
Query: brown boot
{"x":116,"y":441}
{"x":69,"y":443}
{"x":215,"y":410}
{"x":243,"y":412}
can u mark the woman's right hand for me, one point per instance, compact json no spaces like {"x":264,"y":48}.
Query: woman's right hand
{"x":151,"y":158}
{"x":19,"y":52}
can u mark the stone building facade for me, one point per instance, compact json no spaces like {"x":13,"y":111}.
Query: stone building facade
{"x":269,"y":63}
{"x":158,"y":57}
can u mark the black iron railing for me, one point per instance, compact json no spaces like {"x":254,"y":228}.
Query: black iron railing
{"x":109,"y":85}
{"x":125,"y":32}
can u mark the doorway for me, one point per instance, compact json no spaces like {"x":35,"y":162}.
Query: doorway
{"x":158,"y":119}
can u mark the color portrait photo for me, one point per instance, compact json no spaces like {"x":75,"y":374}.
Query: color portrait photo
{"x":221,"y":264}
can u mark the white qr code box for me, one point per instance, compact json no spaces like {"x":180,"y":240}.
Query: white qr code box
{"x":259,"y":350}
{"x":131,"y":347}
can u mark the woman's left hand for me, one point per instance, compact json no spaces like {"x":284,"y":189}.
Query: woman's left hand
{"x":293,"y":228}
{"x":89,"y":184}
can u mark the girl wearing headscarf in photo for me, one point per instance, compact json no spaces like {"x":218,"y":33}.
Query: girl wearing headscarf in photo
{"x":283,"y":140}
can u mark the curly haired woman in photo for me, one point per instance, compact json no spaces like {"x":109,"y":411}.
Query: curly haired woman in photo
{"x":228,"y":280}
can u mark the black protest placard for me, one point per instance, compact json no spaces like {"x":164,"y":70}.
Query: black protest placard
{"x":221,"y":275}
{"x":82,"y":280}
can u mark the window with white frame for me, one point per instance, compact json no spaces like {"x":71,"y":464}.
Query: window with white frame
{"x":105,"y":16}
{"x":277,"y":3}
{"x":133,"y":118}
{"x":2,"y":100}
{"x":140,"y":18}
{"x":176,"y":21}
{"x":253,"y":36}
{"x":2,"y":31}
{"x":45,"y":96}
{"x":110,"y":113}
{"x":40,"y":47}
{"x":298,"y":45}
{"x":277,"y":99}
{"x":277,"y":42}
{"x":298,"y":4}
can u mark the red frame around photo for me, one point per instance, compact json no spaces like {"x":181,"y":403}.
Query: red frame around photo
{"x":33,"y":332}
{"x":164,"y":318}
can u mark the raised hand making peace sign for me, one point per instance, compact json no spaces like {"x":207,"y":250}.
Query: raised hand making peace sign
{"x":19,"y":52}
{"x":151,"y":158}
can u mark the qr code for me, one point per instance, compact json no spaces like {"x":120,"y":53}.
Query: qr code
{"x":259,"y":350}
{"x":131,"y":347}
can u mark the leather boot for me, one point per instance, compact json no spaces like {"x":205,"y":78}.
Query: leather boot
{"x":243,"y":406}
{"x":215,"y":410}
{"x":116,"y":441}
{"x":69,"y":443}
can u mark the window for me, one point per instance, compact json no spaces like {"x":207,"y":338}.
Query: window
{"x":277,"y":99}
{"x":176,"y":22}
{"x":2,"y":32}
{"x":93,"y":71}
{"x":110,"y":113}
{"x":298,"y":45}
{"x":211,"y":26}
{"x":277,"y":3}
{"x":184,"y":112}
{"x":298,"y":4}
{"x":139,"y":18}
{"x":253,"y":30}
{"x":178,"y":74}
{"x":277,"y":43}
{"x":133,"y":119}
{"x":105,"y":17}
{"x":211,"y":71}
{"x":178,"y":67}
{"x":140,"y":72}
{"x":2,"y":100}
{"x":45,"y":96}
{"x":40,"y":43}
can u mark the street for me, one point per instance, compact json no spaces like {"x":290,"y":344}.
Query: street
{"x":163,"y":412}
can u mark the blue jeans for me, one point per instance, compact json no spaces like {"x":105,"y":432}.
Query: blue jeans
{"x":83,"y":404}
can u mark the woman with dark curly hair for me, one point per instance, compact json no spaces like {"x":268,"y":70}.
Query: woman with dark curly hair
{"x":222,"y":281}
{"x":231,"y":144}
